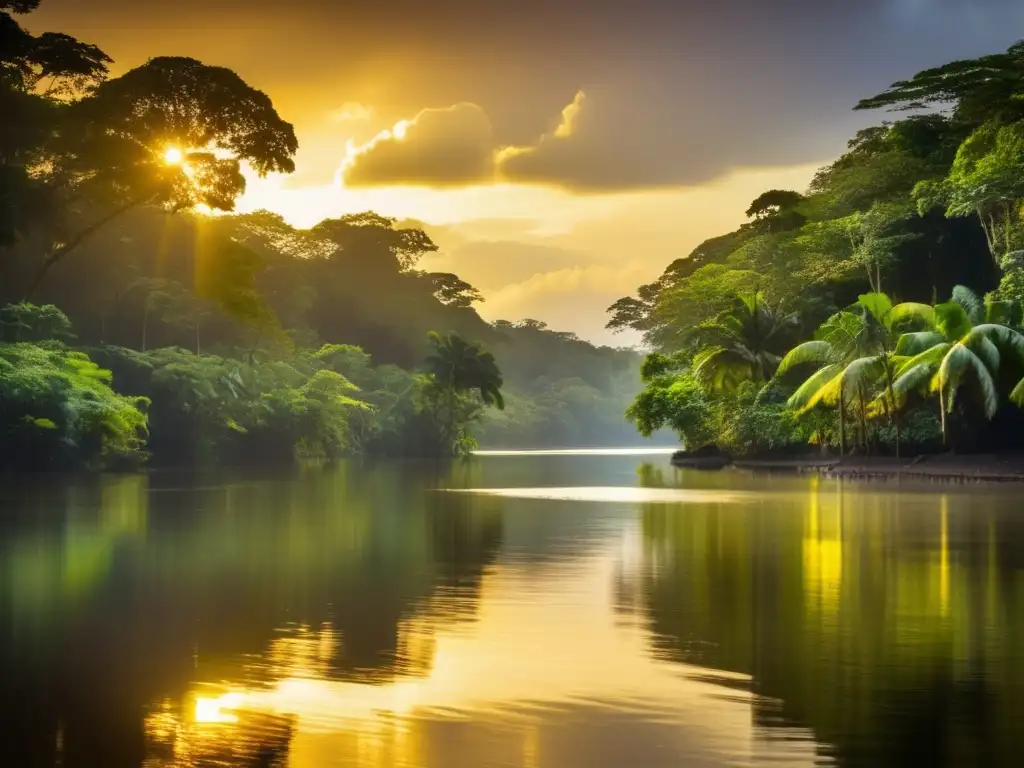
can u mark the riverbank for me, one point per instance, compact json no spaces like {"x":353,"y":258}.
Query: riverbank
{"x":947,"y":466}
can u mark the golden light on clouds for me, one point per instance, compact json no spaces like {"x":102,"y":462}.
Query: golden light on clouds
{"x":350,"y":112}
{"x":570,"y":115}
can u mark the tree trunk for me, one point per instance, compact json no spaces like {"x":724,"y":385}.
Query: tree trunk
{"x":198,"y":349}
{"x":894,"y":411}
{"x":897,"y":419}
{"x":863,"y":421}
{"x":58,"y":254}
{"x":942,"y":417}
{"x":1006,"y":227}
{"x":145,"y":325}
{"x":842,"y":419}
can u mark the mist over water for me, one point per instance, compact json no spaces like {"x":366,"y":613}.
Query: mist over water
{"x":550,"y":610}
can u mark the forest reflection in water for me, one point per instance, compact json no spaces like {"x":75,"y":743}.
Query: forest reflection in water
{"x":559,"y":611}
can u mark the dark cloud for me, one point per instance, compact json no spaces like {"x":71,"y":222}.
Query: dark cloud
{"x":439,"y":147}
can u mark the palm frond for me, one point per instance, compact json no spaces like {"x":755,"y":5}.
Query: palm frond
{"x":986,"y":350}
{"x":956,"y":365}
{"x":1017,"y":394}
{"x":818,"y":352}
{"x":801,"y":399}
{"x":843,"y":331}
{"x":912,"y":313}
{"x":912,"y":379}
{"x":952,"y":320}
{"x":915,"y":343}
{"x":931,"y":357}
{"x":971,"y":303}
{"x":1002,"y":335}
{"x":720,"y":368}
{"x":878,"y":305}
{"x":864,"y":372}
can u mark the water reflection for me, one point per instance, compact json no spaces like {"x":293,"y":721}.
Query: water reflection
{"x":363,"y":616}
{"x":879,"y":617}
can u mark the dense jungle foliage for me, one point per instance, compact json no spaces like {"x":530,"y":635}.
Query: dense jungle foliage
{"x":136,"y":326}
{"x":878,"y":310}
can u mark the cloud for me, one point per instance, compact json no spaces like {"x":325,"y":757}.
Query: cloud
{"x":451,"y":146}
{"x":351,"y":112}
{"x":614,"y":139}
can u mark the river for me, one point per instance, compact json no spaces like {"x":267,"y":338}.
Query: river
{"x":552,"y":610}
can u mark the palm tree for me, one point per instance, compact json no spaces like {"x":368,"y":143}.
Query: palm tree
{"x":856,"y":353}
{"x":743,"y":343}
{"x":837,"y":343}
{"x":461,"y":365}
{"x":964,"y":343}
{"x":456,"y":366}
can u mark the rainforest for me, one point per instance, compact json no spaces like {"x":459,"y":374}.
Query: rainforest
{"x":144,"y":321}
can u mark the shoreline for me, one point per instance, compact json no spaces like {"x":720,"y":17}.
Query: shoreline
{"x":985,"y":467}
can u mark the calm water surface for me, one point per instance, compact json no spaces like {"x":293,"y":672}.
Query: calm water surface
{"x":529,"y":611}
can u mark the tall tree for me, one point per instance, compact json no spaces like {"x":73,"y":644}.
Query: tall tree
{"x":172,"y":133}
{"x":978,"y":89}
{"x":455,"y":367}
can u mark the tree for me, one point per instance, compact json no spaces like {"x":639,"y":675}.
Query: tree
{"x":744,"y":343}
{"x":856,"y":352}
{"x":38,"y":74}
{"x":779,"y":208}
{"x":376,"y":241}
{"x":455,"y":367}
{"x":172,"y":133}
{"x":673,"y":398}
{"x":960,"y":345}
{"x":836,"y":344}
{"x":979,"y":89}
{"x":452,"y":291}
{"x":57,"y":410}
{"x":986,"y":180}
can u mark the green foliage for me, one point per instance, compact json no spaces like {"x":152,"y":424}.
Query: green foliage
{"x":744,"y":343}
{"x":210,"y":408}
{"x":986,"y":180}
{"x":677,"y":402}
{"x":57,"y":410}
{"x":29,"y":322}
{"x":925,"y":207}
{"x":460,"y":378}
{"x":979,"y":89}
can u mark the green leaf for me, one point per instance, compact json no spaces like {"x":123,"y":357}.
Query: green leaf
{"x":801,"y":399}
{"x":911,"y":313}
{"x":972,"y":304}
{"x":915,"y":343}
{"x":818,"y":352}
{"x":952,"y":320}
{"x":877,"y":304}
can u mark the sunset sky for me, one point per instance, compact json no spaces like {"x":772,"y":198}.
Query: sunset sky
{"x":561,"y":152}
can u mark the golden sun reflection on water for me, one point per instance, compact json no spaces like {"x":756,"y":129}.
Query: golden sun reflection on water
{"x":536,"y":667}
{"x":209,"y":710}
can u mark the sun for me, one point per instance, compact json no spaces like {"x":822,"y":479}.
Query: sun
{"x":173,"y":156}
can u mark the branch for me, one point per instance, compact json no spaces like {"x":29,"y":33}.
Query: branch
{"x":77,"y":240}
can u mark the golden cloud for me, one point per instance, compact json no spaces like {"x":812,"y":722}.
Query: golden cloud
{"x":451,"y":146}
